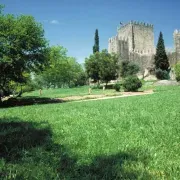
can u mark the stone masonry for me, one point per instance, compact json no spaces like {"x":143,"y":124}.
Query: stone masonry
{"x":176,"y":36}
{"x":135,"y":42}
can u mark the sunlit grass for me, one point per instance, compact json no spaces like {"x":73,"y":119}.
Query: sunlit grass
{"x":124,"y":138}
{"x":64,"y":92}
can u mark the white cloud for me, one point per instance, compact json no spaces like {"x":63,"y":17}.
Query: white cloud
{"x":54,"y":22}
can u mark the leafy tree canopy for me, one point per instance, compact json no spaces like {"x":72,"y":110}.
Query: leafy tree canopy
{"x":23,"y":48}
{"x":62,"y":70}
{"x":102,"y":66}
{"x":128,"y":68}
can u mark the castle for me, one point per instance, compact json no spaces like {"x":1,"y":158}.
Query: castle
{"x":135,"y":42}
{"x":176,"y":36}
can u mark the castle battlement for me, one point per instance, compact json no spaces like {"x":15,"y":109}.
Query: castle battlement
{"x":176,"y":32}
{"x":113,"y":39}
{"x":136,"y":38}
{"x":141,"y":23}
{"x":135,"y":23}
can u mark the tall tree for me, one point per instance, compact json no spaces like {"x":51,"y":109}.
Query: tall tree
{"x":128,"y":68}
{"x":92,"y":66}
{"x":161,"y":59}
{"x":96,"y":42}
{"x":108,"y":66}
{"x":102,"y":66}
{"x":23,"y":48}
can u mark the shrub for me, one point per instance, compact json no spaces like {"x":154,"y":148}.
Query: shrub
{"x":177,"y":71}
{"x":117,"y":86}
{"x":132,"y":83}
{"x":162,"y":74}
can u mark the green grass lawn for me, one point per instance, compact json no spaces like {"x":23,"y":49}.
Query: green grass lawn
{"x":78,"y":91}
{"x":64,"y":92}
{"x":125,"y":138}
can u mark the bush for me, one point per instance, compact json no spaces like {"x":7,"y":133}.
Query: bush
{"x":162,"y":74}
{"x":132,"y":83}
{"x":117,"y":86}
{"x":177,"y":71}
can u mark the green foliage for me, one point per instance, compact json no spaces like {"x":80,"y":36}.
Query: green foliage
{"x":92,"y":66}
{"x":102,"y":66}
{"x":177,"y":71}
{"x":162,"y":74}
{"x":117,"y":86}
{"x":96,"y":42}
{"x":62,"y":70}
{"x":131,"y":138}
{"x":161,"y":59}
{"x":132,"y":83}
{"x":22,"y":48}
{"x":128,"y":68}
{"x":108,"y":66}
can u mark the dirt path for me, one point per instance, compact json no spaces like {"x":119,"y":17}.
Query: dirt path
{"x":102,"y":97}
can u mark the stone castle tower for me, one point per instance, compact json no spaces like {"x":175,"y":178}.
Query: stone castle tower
{"x":176,"y":36}
{"x":135,"y":42}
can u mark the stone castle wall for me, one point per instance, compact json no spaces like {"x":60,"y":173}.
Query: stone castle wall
{"x":176,"y":36}
{"x":135,"y":42}
{"x":143,"y":38}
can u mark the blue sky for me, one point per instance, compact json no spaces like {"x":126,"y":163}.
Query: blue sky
{"x":72,"y":23}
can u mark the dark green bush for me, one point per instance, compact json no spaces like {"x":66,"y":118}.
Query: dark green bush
{"x":132,"y":83}
{"x":162,"y":74}
{"x":128,"y":68}
{"x":117,"y":86}
{"x":178,"y":78}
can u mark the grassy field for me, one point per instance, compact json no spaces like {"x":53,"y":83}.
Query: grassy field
{"x":124,"y":138}
{"x":64,"y":92}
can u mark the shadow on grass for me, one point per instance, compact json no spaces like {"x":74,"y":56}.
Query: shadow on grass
{"x":28,"y":152}
{"x":25,"y":101}
{"x":17,"y":136}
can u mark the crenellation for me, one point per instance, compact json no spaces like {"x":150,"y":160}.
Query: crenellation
{"x":176,"y":36}
{"x":134,"y":37}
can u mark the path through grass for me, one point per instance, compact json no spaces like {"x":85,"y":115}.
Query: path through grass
{"x":126,"y":138}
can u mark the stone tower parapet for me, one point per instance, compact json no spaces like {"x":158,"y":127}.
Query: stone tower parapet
{"x":176,"y":36}
{"x":134,"y":38}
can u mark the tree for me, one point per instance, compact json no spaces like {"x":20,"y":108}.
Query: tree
{"x":108,"y":66}
{"x":177,"y":71}
{"x":96,"y":42}
{"x":102,"y":66}
{"x":161,"y":59}
{"x":92,"y":67}
{"x":23,"y":48}
{"x":128,"y":68}
{"x":62,"y":70}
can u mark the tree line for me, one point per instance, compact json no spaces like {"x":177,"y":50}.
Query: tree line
{"x":27,"y":60}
